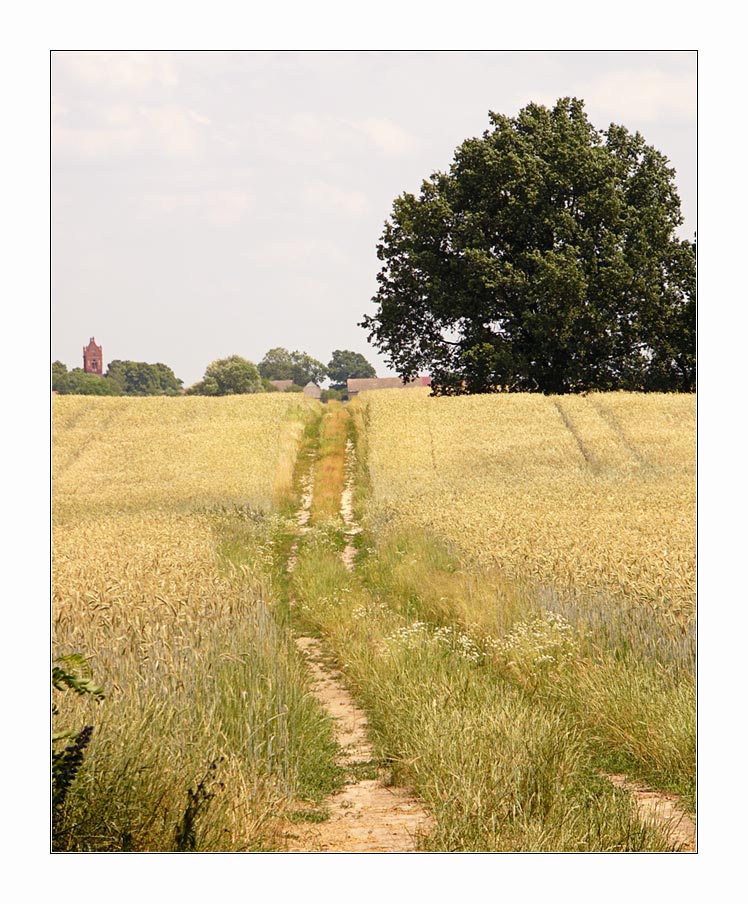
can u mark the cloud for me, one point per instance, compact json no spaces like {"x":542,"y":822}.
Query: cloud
{"x":334,"y":135}
{"x":293,"y":254}
{"x":326,"y":196}
{"x":129,"y":71}
{"x":168,"y":130}
{"x":219,"y":207}
{"x":644,"y":95}
{"x":387,"y":136}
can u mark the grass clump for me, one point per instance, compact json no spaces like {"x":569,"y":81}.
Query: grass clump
{"x":624,"y":676}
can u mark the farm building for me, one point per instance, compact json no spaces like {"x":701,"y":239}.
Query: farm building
{"x":311,"y":389}
{"x":366,"y":384}
{"x":282,"y":385}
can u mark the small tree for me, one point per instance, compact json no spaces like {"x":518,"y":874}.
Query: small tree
{"x":59,"y":375}
{"x":141,"y":379}
{"x":280,"y":364}
{"x":332,"y":395}
{"x":346,"y":365}
{"x":276,"y":365}
{"x":78,"y":382}
{"x":229,"y":376}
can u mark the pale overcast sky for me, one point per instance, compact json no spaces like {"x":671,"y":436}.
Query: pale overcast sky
{"x":209,"y":203}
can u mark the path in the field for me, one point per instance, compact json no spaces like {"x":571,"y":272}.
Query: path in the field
{"x":368,"y":815}
{"x":660,"y":808}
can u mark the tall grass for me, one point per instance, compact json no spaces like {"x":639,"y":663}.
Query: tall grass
{"x":627,"y":679}
{"x":200,"y":682}
{"x":500,"y":700}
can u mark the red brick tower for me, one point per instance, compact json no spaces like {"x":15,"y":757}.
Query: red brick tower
{"x":93,"y":360}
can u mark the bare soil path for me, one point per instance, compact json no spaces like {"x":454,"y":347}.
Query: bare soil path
{"x":368,"y":815}
{"x":660,"y":808}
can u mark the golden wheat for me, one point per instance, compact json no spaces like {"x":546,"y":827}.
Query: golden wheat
{"x":592,"y":494}
{"x":194,"y":667}
{"x":117,"y":454}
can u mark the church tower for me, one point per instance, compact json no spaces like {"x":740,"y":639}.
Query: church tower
{"x":93,"y":360}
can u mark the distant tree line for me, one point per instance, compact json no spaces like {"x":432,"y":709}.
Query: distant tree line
{"x":135,"y":378}
{"x":226,"y":376}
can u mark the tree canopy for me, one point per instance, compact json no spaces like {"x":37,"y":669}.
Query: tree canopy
{"x":545,"y":259}
{"x":345,"y":365}
{"x":139,"y":378}
{"x":59,"y":375}
{"x":228,"y":376}
{"x":78,"y":382}
{"x":280,"y":364}
{"x":121,"y":378}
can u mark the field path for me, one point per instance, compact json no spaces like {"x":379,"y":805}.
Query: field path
{"x":660,"y":808}
{"x":368,"y":815}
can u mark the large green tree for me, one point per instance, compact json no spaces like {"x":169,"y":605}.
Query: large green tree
{"x":280,"y":364}
{"x":545,"y":259}
{"x":228,"y":376}
{"x":345,"y":365}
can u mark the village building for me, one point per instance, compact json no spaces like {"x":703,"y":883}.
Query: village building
{"x":93,"y":359}
{"x":312,"y":390}
{"x":368,"y":384}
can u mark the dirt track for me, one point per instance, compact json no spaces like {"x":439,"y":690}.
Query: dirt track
{"x":661,"y":808}
{"x":368,"y":815}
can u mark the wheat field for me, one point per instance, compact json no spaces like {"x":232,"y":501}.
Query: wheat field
{"x":587,"y":494}
{"x":535,"y":551}
{"x":120,"y":454}
{"x":203,"y":696}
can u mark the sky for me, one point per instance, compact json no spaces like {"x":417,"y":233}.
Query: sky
{"x":211,"y":203}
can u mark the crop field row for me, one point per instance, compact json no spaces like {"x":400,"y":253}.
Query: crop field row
{"x":590,"y":495}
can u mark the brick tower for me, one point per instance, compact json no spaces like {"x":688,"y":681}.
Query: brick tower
{"x":93,"y":361}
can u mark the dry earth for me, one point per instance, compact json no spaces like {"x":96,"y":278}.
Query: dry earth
{"x":367,"y":815}
{"x":661,"y":808}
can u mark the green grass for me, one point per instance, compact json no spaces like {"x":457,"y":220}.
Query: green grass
{"x":313,"y":815}
{"x":630,"y":684}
